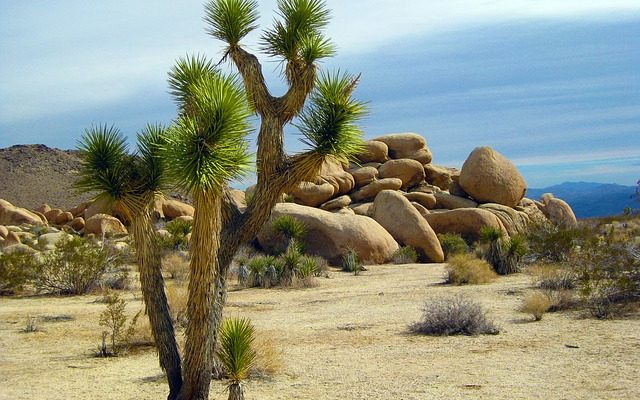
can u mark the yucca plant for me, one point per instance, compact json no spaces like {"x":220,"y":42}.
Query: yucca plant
{"x":133,"y":181}
{"x":291,"y":229}
{"x":504,"y":255}
{"x":235,"y":353}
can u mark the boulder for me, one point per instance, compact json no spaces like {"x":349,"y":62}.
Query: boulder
{"x":237,"y":197}
{"x":440,"y":176}
{"x":529,"y":207}
{"x":467,"y":222}
{"x":371,"y":190}
{"x":515,"y":222}
{"x":332,"y":172}
{"x":172,"y":209}
{"x":410,"y":172}
{"x":77,"y":224}
{"x":346,"y":211}
{"x":12,"y":215}
{"x":43,"y":209}
{"x":184,"y":218}
{"x":337,"y":203}
{"x":63,"y":218}
{"x":558,"y":211}
{"x":425,"y":187}
{"x":401,"y":219}
{"x":311,"y":194}
{"x":407,"y":145}
{"x":101,"y":205}
{"x":52,"y":214}
{"x":48,"y":241}
{"x":489,"y":177}
{"x":456,"y":190}
{"x":3,"y":231}
{"x":425,"y":199}
{"x":450,"y":202}
{"x":363,"y":176}
{"x":330,"y":235}
{"x":420,"y":208}
{"x":11,"y":239}
{"x":374,"y":151}
{"x":103,"y":224}
{"x":365,"y":209}
{"x":78,"y":211}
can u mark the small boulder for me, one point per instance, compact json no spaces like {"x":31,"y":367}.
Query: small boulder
{"x":467,"y":222}
{"x":11,"y":239}
{"x":52,"y":214}
{"x":410,"y":172}
{"x":374,"y":151}
{"x":365,"y":209}
{"x":238,"y":199}
{"x":515,"y":222}
{"x":424,"y":187}
{"x":43,"y":209}
{"x":425,"y":199}
{"x":450,"y":202}
{"x":363,"y":176}
{"x":173,"y":209}
{"x":489,"y":177}
{"x":440,"y":176}
{"x":337,"y":203}
{"x":420,"y":208}
{"x":103,"y":224}
{"x":456,"y":190}
{"x":371,"y":190}
{"x":19,"y":249}
{"x":12,"y":215}
{"x":311,"y":194}
{"x":77,"y":224}
{"x":78,"y":211}
{"x":3,"y":231}
{"x":184,"y":218}
{"x":401,"y":219}
{"x":407,"y":145}
{"x":558,"y":211}
{"x":332,"y":172}
{"x":330,"y":235}
{"x":63,"y":218}
{"x":48,"y":241}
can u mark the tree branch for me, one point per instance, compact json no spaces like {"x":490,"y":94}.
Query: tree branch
{"x":251,"y":71}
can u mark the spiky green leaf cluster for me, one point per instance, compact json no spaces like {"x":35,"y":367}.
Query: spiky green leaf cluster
{"x":231,"y":20}
{"x":297,"y":36}
{"x":182,"y":76}
{"x":329,"y":122}
{"x":235,"y":350}
{"x":206,"y":146}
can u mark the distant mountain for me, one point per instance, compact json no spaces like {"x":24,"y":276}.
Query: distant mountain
{"x":589,"y":199}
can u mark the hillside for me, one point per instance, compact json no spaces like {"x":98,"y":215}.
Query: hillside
{"x":589,"y":199}
{"x":36,"y":174}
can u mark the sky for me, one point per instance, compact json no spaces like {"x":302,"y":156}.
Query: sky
{"x":554,"y":85}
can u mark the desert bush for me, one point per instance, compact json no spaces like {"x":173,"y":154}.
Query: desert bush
{"x":405,"y":255}
{"x":452,"y":244}
{"x":463,"y":269}
{"x":114,"y":320}
{"x":268,"y":361}
{"x":455,"y":315}
{"x":608,"y":276}
{"x":31,"y":325}
{"x":350,"y":262}
{"x":553,"y":276}
{"x":177,"y":299}
{"x":536,"y":304}
{"x":177,"y":240}
{"x":562,"y":299}
{"x":504,"y":254}
{"x":74,"y":266}
{"x":550,"y":242}
{"x":16,"y":270}
{"x":176,"y":265}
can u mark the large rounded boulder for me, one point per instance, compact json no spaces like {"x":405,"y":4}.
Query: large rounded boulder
{"x":363,"y":175}
{"x":401,"y":219}
{"x":12,"y":215}
{"x":489,"y":177}
{"x":104,"y":224}
{"x":330,"y":235}
{"x":374,"y":151}
{"x":311,"y":194}
{"x":371,"y":190}
{"x":558,"y":211}
{"x":410,"y":172}
{"x":407,"y":145}
{"x":467,"y":222}
{"x":173,"y":209}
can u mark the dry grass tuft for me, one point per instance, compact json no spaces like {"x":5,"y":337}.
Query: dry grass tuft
{"x":268,"y":360}
{"x":177,"y":298}
{"x":536,"y":304}
{"x":177,"y":266}
{"x":467,"y":269}
{"x":553,"y":276}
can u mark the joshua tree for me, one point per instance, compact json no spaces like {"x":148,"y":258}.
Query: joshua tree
{"x":131,"y":182}
{"x":236,"y":354}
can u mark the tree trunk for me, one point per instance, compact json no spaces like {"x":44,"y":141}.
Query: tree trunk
{"x":155,"y":300}
{"x":236,"y":391}
{"x":198,"y":348}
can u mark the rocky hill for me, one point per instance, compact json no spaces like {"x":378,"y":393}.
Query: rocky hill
{"x":36,"y":174}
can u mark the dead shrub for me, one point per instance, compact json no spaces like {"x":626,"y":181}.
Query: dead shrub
{"x":466,"y":269}
{"x":554,"y":276}
{"x":453,"y":315}
{"x":268,"y":361}
{"x":536,"y":304}
{"x":177,"y":266}
{"x":563,"y":299}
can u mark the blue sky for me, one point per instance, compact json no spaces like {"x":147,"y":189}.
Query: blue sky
{"x":552,"y":84}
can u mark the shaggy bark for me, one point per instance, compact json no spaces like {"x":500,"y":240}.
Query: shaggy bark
{"x":198,"y":347}
{"x":155,"y":300}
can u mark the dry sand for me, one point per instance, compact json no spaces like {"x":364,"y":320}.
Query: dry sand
{"x":344,"y":339}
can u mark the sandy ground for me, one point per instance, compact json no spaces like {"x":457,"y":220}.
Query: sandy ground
{"x":346,"y":338}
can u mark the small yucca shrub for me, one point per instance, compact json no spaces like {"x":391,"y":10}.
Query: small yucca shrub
{"x":292,"y":232}
{"x":504,"y":254}
{"x":350,"y":262}
{"x":235,"y":353}
{"x":466,"y":269}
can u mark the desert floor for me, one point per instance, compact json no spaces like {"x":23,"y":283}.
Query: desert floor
{"x":347,"y":338}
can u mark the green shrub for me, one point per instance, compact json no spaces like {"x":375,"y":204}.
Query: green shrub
{"x":350,"y":262}
{"x":452,"y":244}
{"x":74,"y":266}
{"x":463,"y":269}
{"x":504,"y":255}
{"x":16,"y":270}
{"x":405,"y":255}
{"x":455,"y":315}
{"x":179,"y":231}
{"x":113,"y":319}
{"x":550,"y":242}
{"x":554,"y":276}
